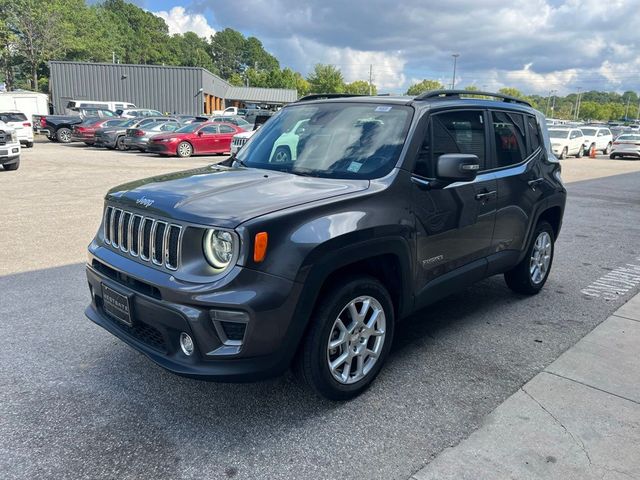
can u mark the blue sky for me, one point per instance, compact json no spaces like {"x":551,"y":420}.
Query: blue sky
{"x":534,"y":45}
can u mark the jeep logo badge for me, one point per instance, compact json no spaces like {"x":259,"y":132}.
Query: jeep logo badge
{"x":145,"y":202}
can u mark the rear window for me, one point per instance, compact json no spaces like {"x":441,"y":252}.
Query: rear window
{"x":558,"y":133}
{"x":510,"y":139}
{"x":629,"y":138}
{"x":589,"y":131}
{"x":12,"y":117}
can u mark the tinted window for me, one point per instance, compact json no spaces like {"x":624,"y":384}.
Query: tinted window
{"x":452,"y":132}
{"x":558,"y":133}
{"x":535,"y":139}
{"x":169,"y":126}
{"x":12,"y":117}
{"x":588,"y":131}
{"x":226,"y":129}
{"x":508,"y":129}
{"x":209,"y":129}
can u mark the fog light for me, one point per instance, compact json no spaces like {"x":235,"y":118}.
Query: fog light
{"x":186,"y":344}
{"x":15,"y":150}
{"x":230,"y":326}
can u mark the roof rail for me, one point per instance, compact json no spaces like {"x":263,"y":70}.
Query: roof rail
{"x":435,"y":94}
{"x":320,"y":96}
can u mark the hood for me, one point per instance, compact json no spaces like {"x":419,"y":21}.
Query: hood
{"x":226,"y":197}
{"x":248,"y":134}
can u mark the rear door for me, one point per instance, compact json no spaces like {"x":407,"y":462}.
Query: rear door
{"x":454,"y":224}
{"x":517,"y":146}
{"x":224,"y":138}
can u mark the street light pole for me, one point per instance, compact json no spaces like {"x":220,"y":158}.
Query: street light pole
{"x":455,"y":62}
{"x":578,"y":102}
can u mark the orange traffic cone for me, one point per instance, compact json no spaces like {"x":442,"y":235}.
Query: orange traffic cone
{"x":592,"y":152}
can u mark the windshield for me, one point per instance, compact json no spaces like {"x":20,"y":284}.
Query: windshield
{"x":192,"y":127}
{"x":558,"y":133}
{"x":130,"y":123}
{"x":629,"y":138}
{"x":333,"y":140}
{"x":589,"y":131}
{"x":12,"y":117}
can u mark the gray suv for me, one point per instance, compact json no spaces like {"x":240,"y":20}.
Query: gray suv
{"x":236,"y":272}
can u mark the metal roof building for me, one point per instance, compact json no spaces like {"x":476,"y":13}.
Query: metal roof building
{"x":189,"y":90}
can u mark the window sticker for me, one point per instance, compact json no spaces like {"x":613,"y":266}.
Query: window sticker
{"x":354,"y":167}
{"x":383,"y":109}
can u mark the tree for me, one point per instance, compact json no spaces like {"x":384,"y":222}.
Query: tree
{"x":512,"y":92}
{"x":424,"y":86}
{"x":326,"y":79}
{"x":37,"y":26}
{"x":360,"y":87}
{"x":471,"y":88}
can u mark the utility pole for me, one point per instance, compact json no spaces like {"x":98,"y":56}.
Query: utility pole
{"x":546,"y":111}
{"x":578,"y":102}
{"x":551,"y":94}
{"x":638,"y":112}
{"x":626,"y":112}
{"x":370,"y":79}
{"x":113,"y":57}
{"x":553,"y":105}
{"x":455,"y":61}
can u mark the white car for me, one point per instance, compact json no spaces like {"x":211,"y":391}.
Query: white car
{"x":239,"y":139}
{"x":21,"y":124}
{"x":601,"y":137}
{"x":9,"y":147}
{"x":566,"y":141}
{"x":626,"y":145}
{"x":139,"y":112}
{"x":226,"y":111}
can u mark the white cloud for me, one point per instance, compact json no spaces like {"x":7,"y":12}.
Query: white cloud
{"x":179,"y":21}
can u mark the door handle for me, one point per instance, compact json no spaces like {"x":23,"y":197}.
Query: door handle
{"x":534,"y":183}
{"x":484,"y":196}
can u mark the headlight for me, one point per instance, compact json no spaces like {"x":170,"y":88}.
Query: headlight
{"x":167,"y":139}
{"x":14,"y":136}
{"x":219,"y":248}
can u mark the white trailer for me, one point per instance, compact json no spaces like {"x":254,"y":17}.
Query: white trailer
{"x":29,"y":103}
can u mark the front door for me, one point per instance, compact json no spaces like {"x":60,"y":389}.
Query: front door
{"x":206,"y":140}
{"x":454,"y":224}
{"x":225,"y":137}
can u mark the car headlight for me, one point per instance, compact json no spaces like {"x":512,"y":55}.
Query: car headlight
{"x":219,"y":248}
{"x":167,"y":139}
{"x":14,"y":137}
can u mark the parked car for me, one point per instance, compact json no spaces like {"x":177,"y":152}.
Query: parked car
{"x":239,"y":139}
{"x":139,"y":112}
{"x":626,"y":145}
{"x":195,"y":139}
{"x":235,"y":272}
{"x":285,"y":148}
{"x":600,"y":137}
{"x":187,"y":119}
{"x":57,"y":128}
{"x":98,"y":104}
{"x":21,"y":124}
{"x":138,"y":138}
{"x":235,"y":120}
{"x":9,"y":147}
{"x":86,"y":131}
{"x":567,"y":141}
{"x":113,"y":137}
{"x":226,"y":111}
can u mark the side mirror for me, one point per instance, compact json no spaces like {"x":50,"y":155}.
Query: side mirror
{"x":200,"y":133}
{"x":457,"y":167}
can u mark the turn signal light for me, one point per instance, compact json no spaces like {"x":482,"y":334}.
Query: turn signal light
{"x":260,"y":246}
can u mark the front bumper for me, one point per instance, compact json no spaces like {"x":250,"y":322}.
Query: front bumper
{"x":9,"y":153}
{"x":627,"y":152}
{"x":105,"y":141}
{"x":78,"y":137}
{"x":162,"y":307}
{"x":167,"y":148}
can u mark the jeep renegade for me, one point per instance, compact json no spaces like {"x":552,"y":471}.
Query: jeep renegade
{"x":341,"y":216}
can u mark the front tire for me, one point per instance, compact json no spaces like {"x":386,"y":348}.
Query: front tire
{"x":120,"y":145}
{"x":563,"y":155}
{"x":63,"y":135}
{"x":530,"y":275}
{"x":613,"y":156}
{"x":282,"y":155}
{"x":607,"y":149}
{"x":580,"y":153}
{"x":184,"y":150}
{"x":348,"y":340}
{"x":29,"y":145}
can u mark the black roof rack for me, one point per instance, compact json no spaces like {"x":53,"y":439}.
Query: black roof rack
{"x":435,"y":94}
{"x":320,"y":96}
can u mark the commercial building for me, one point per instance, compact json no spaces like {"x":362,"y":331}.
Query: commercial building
{"x":189,"y":90}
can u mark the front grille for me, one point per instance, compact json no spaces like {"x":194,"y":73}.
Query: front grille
{"x":3,"y":138}
{"x":148,"y":238}
{"x":239,"y":142}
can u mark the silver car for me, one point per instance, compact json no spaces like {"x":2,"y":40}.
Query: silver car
{"x":138,"y":138}
{"x":626,"y":145}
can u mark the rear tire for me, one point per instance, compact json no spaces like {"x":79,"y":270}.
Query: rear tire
{"x":607,"y":149}
{"x":63,"y":135}
{"x":613,"y":156}
{"x":120,"y":145}
{"x":12,"y":166}
{"x":29,"y":145}
{"x":563,"y":155}
{"x":580,"y":153}
{"x":357,"y":345}
{"x":530,"y":275}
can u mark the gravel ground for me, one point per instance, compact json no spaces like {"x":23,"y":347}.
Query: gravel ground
{"x":77,"y":403}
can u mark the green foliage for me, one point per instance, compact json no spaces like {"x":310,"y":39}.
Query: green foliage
{"x":360,"y":87}
{"x":424,"y":86}
{"x":326,"y":79}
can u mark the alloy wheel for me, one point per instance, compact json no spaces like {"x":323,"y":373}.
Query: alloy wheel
{"x":540,"y":257}
{"x":356,"y":340}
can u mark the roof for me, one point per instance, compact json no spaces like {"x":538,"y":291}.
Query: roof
{"x":262,"y":95}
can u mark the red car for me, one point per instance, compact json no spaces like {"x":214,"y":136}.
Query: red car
{"x":195,"y":139}
{"x":86,"y":131}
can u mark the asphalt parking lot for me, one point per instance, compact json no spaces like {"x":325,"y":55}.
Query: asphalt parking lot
{"x":77,"y":403}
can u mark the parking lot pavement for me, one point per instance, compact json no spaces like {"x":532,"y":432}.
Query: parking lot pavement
{"x":77,"y":403}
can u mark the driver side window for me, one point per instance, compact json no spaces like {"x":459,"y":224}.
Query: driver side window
{"x":460,"y":131}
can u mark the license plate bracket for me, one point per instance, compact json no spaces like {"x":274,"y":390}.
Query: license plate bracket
{"x":117,"y":305}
